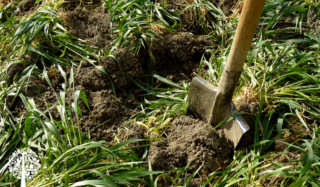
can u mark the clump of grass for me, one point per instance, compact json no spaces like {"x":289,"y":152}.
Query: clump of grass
{"x":142,"y":21}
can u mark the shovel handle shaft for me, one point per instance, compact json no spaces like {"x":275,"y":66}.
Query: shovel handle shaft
{"x":248,"y":23}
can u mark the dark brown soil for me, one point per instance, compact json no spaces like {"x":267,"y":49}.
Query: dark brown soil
{"x":13,"y":70}
{"x":134,"y":131}
{"x":26,"y":5}
{"x":94,"y":27}
{"x":190,"y":142}
{"x":178,"y":56}
{"x":105,"y":109}
{"x":93,"y":79}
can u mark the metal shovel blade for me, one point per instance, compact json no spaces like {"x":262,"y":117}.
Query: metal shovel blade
{"x":201,"y":98}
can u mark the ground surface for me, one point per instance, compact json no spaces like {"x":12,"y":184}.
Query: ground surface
{"x":177,"y":57}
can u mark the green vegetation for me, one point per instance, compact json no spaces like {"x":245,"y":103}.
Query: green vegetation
{"x":281,"y":75}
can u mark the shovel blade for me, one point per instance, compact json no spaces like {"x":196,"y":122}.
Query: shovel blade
{"x":201,"y":98}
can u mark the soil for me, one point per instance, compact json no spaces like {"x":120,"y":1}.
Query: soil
{"x":190,"y":141}
{"x":178,"y":56}
{"x":26,"y":5}
{"x":13,"y":70}
{"x":93,"y":27}
{"x":134,"y":131}
{"x":177,"y":59}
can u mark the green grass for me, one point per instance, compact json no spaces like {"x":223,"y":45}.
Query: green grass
{"x":281,"y":73}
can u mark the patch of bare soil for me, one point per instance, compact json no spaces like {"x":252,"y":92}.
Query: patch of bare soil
{"x":127,"y":64}
{"x":91,"y":26}
{"x":106,"y":115}
{"x":26,"y":5}
{"x":13,"y":70}
{"x":133,"y":131}
{"x":43,"y":102}
{"x":178,"y":56}
{"x":191,"y":142}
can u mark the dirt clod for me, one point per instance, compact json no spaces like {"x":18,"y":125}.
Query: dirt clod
{"x":106,"y":110}
{"x":137,"y":132}
{"x":178,"y":56}
{"x":191,"y":142}
{"x":94,"y":27}
{"x":13,"y":70}
{"x":92,"y":79}
{"x":127,"y":64}
{"x":26,"y":5}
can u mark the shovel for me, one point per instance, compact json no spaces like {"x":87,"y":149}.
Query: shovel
{"x":212,"y":104}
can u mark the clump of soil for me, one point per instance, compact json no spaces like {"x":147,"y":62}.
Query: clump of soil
{"x":26,"y":5}
{"x":105,"y":107}
{"x":129,"y":64}
{"x":178,"y":56}
{"x":134,"y":131}
{"x":13,"y":70}
{"x":43,"y":102}
{"x":94,"y":27}
{"x":92,"y":79}
{"x":191,"y":141}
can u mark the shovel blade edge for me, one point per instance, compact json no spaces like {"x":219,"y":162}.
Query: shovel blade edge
{"x":201,"y":97}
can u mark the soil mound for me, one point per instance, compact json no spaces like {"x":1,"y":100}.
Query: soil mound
{"x":191,"y":142}
{"x":178,"y":56}
{"x":13,"y":70}
{"x":94,"y":27}
{"x":134,"y":131}
{"x":106,"y":116}
{"x":26,"y":5}
{"x":127,"y":64}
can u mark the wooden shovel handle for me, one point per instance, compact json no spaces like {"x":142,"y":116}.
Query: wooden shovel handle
{"x":248,"y":23}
